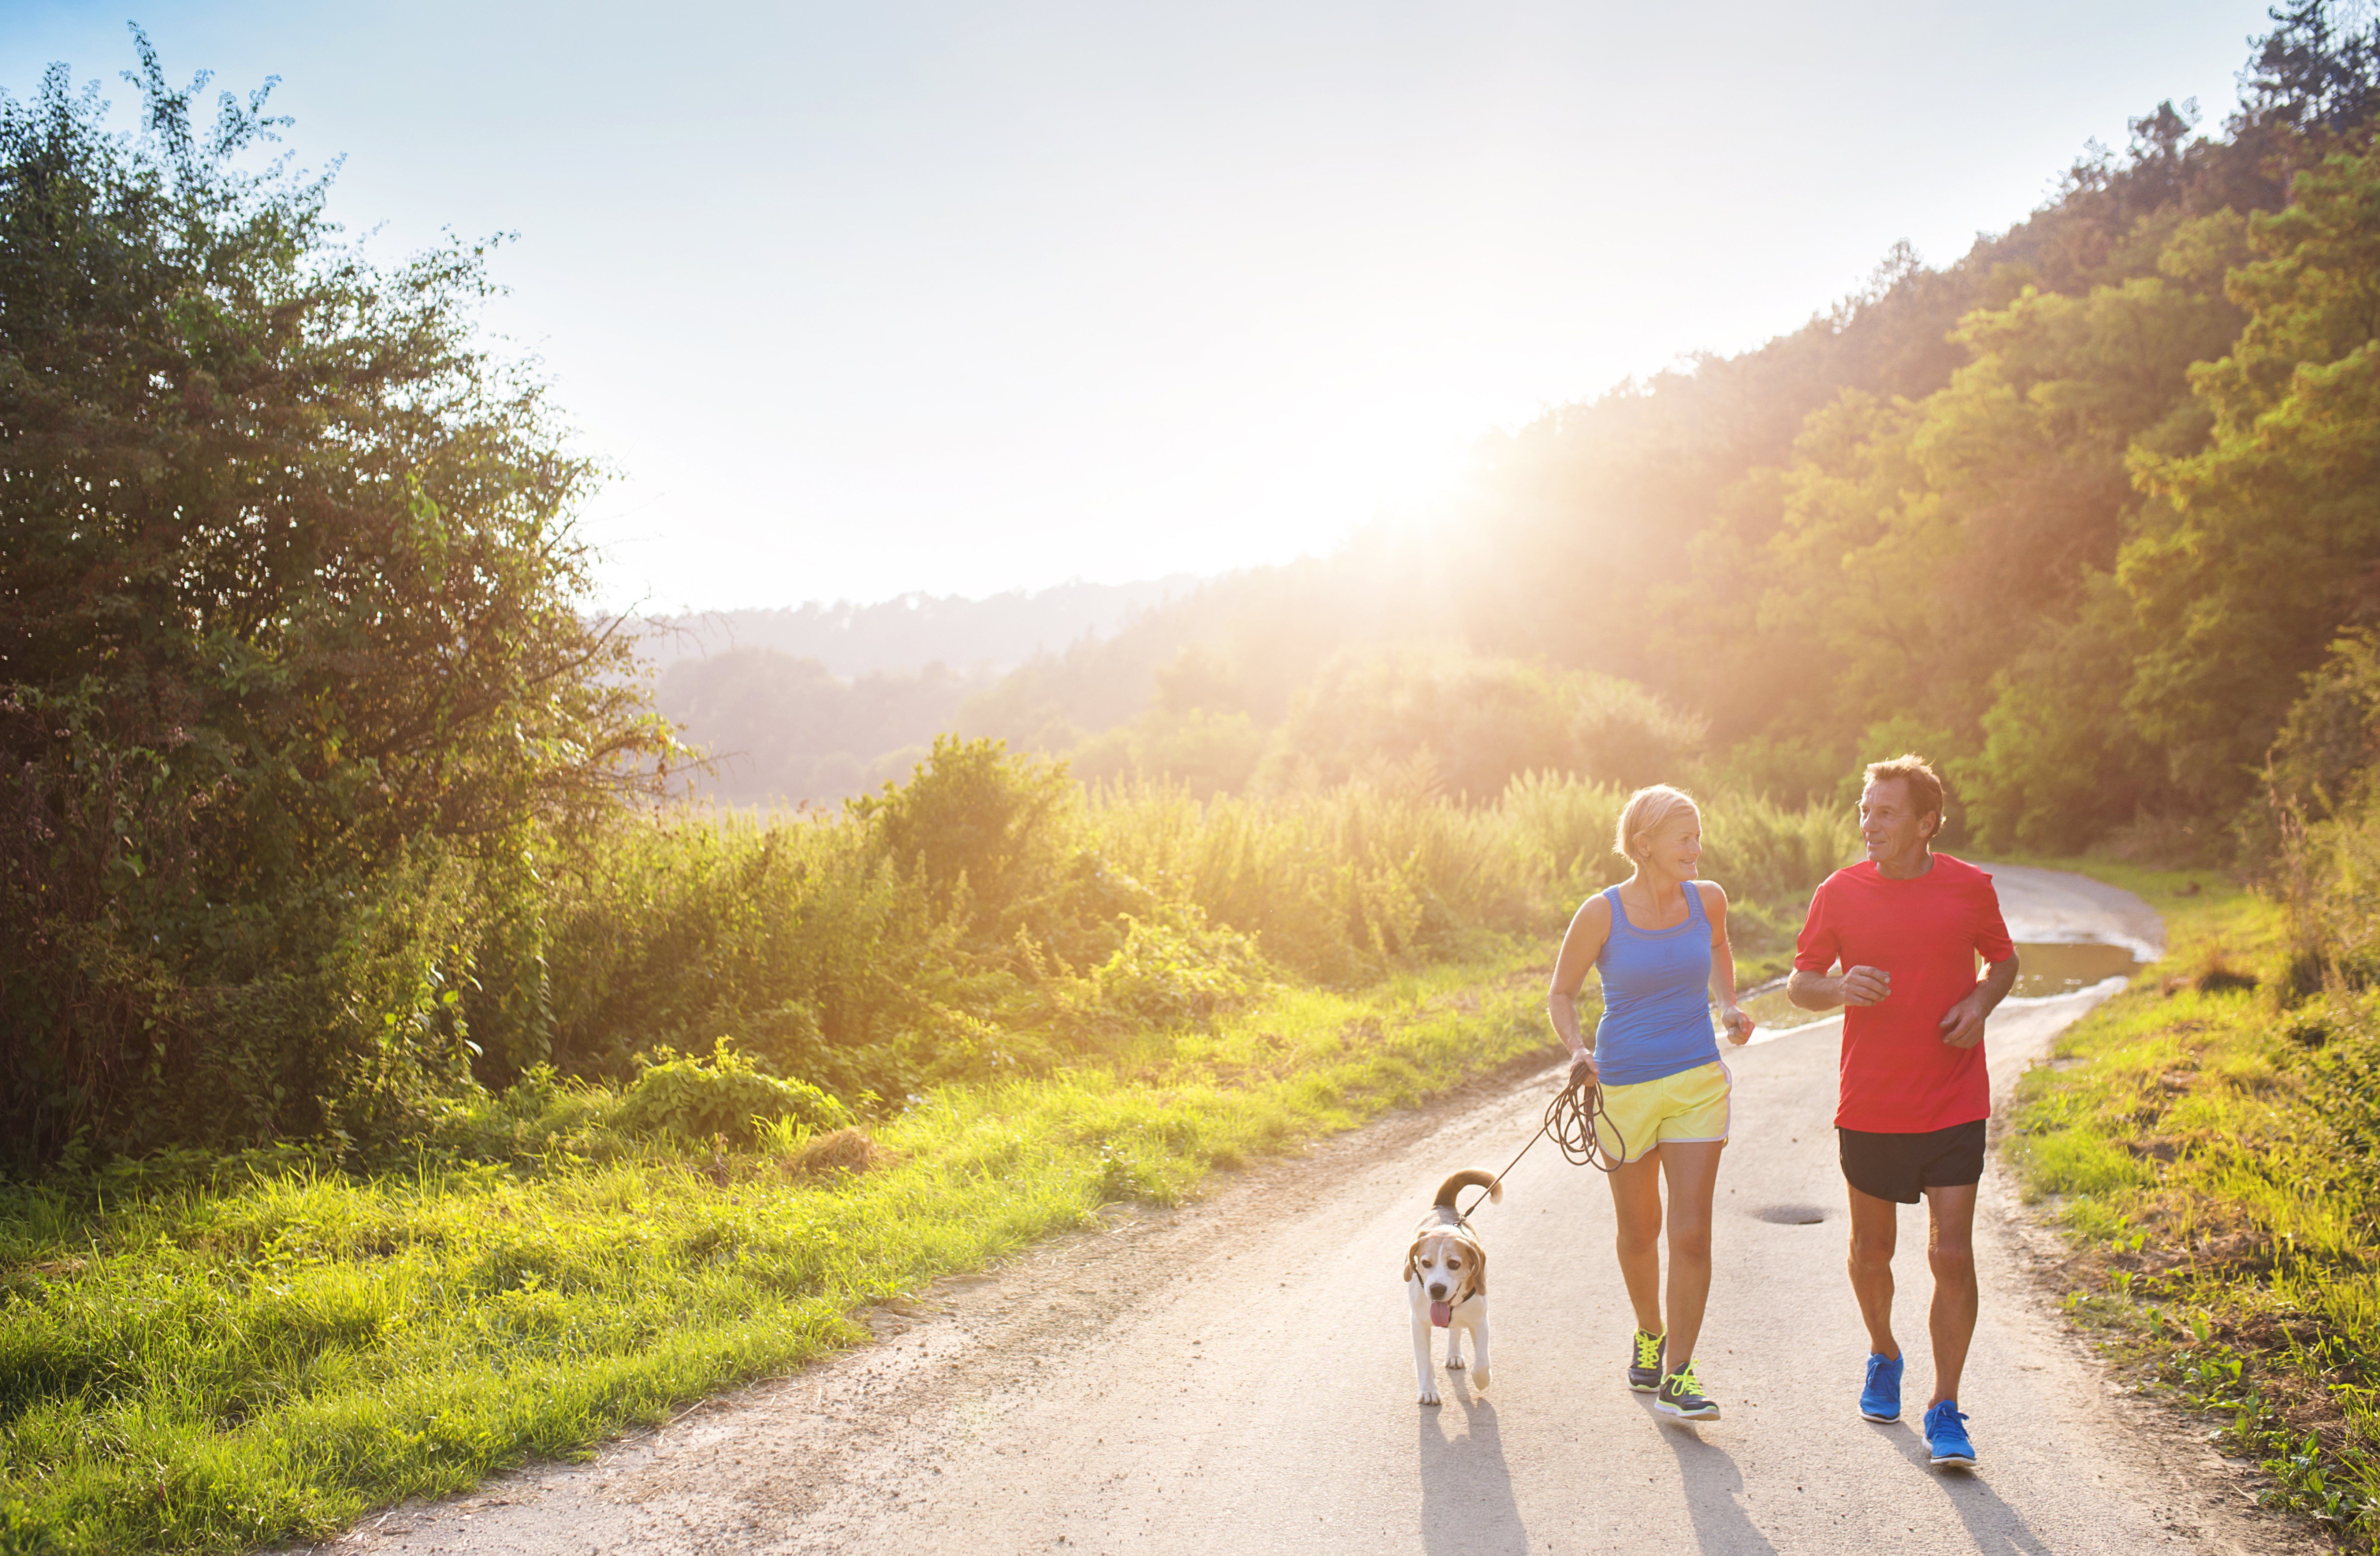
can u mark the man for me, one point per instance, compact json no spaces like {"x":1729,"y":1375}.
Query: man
{"x":1906,"y":924}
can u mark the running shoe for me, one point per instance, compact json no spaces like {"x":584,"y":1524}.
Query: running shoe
{"x":1946,"y":1436}
{"x":1645,"y":1371}
{"x":1683,"y":1397}
{"x":1880,"y":1400}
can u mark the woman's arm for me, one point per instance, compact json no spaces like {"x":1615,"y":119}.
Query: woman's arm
{"x":1731,"y":1016}
{"x":1581,"y":944}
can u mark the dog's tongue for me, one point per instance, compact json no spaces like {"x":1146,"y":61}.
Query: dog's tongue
{"x":1441,"y":1313}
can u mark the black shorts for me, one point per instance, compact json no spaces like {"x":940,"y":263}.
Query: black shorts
{"x":1902,"y":1166}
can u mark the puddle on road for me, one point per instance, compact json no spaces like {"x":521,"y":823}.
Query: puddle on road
{"x":2043,"y":969}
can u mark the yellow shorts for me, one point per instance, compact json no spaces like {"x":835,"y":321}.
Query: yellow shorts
{"x":1689,"y":1106}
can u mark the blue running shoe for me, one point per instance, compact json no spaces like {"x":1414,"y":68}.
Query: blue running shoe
{"x":1880,"y":1400}
{"x":1946,"y":1438}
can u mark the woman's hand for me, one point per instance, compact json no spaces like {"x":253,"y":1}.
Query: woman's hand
{"x":1582,"y":1069}
{"x":1738,"y":1024}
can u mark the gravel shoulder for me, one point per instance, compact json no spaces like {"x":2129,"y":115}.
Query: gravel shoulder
{"x":1239,"y":1370}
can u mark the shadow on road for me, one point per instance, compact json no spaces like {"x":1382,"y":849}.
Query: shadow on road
{"x":1714,"y":1494}
{"x":1994,"y":1527}
{"x":1466,"y":1488}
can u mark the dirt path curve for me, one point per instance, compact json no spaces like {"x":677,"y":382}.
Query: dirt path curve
{"x":1238,"y":1375}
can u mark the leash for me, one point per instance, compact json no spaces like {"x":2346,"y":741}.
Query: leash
{"x":1570,"y":1121}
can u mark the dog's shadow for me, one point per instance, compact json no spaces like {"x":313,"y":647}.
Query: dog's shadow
{"x":1467,"y":1508}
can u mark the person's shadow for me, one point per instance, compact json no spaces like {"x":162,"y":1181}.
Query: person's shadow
{"x":1714,"y":1490}
{"x":1466,"y":1488}
{"x":1993,"y":1527}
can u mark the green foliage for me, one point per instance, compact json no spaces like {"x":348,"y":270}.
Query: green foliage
{"x":1204,"y":751}
{"x":292,"y":633}
{"x":985,"y":831}
{"x":1171,"y":974}
{"x":2321,"y":764}
{"x":2206,"y":1139}
{"x":254,"y":1354}
{"x":2257,"y":546}
{"x":693,"y":1100}
{"x":1766,"y":853}
{"x":1629,"y":736}
{"x":2061,"y":764}
{"x":1435,"y":718}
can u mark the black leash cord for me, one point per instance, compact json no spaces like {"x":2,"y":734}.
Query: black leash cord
{"x":1570,"y":1121}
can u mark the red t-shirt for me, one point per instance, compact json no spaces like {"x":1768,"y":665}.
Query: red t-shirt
{"x":1898,"y":1077}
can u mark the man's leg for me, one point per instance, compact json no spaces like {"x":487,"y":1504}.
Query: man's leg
{"x":1691,"y":1167}
{"x":1874,"y":1231}
{"x":1637,"y":1207}
{"x":1951,"y":1249}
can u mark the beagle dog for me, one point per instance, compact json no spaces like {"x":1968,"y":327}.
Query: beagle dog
{"x":1445,"y":1283}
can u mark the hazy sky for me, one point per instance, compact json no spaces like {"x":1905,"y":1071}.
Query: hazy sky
{"x":869,"y":298}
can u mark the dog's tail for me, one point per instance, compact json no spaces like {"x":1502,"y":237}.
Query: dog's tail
{"x":1469,"y":1177}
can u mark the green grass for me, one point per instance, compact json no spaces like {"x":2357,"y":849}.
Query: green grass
{"x":260,"y":1353}
{"x":2206,"y":1144}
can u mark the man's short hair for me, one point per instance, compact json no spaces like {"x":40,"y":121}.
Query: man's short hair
{"x":1644,"y":814}
{"x":1924,"y":785}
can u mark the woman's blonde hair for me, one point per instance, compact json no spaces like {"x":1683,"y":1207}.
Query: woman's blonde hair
{"x":1644,"y":814}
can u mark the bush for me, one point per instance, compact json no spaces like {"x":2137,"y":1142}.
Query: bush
{"x":1175,"y":973}
{"x":293,"y":630}
{"x":1629,"y":736}
{"x":1446,"y":719}
{"x":986,"y":832}
{"x":690,"y":1101}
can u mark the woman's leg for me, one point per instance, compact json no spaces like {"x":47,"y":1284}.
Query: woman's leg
{"x":1637,"y":1207}
{"x":1692,"y":1171}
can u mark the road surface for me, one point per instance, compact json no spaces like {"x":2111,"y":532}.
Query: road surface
{"x":1237,"y":1375}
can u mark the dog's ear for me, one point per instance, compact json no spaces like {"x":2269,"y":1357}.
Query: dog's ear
{"x":1411,"y":1254}
{"x":1478,"y":1268}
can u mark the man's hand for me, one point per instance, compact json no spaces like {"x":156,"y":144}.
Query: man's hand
{"x":1865,"y":985}
{"x":1583,"y":1070}
{"x":1962,"y":1025}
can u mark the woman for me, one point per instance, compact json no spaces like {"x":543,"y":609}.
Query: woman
{"x":1659,"y":940}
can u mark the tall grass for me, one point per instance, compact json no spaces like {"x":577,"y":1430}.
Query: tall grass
{"x":2207,"y":1138}
{"x":814,"y":943}
{"x":1033,"y":999}
{"x":212,"y":1355}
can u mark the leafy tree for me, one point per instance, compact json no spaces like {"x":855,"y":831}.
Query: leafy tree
{"x":1433,"y":716}
{"x":292,"y":616}
{"x":2311,"y":73}
{"x":2327,"y":758}
{"x":2259,"y":546}
{"x":2061,"y":763}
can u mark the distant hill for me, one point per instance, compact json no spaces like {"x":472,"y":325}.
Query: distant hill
{"x":819,"y":702}
{"x":993,"y":634}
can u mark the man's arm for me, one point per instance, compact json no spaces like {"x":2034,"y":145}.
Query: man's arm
{"x":1856,"y":986}
{"x":1819,"y":946}
{"x":1963,"y":1023}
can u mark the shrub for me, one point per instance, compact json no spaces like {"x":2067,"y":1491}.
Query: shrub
{"x":292,"y":601}
{"x":1629,"y":736}
{"x":1172,"y":973}
{"x":687,"y":1099}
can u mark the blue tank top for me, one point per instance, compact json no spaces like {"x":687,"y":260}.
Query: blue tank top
{"x":1656,"y":996}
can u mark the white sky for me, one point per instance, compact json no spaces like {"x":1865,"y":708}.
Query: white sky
{"x":870,"y":298}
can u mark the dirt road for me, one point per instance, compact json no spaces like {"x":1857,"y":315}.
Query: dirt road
{"x":1238,"y":1375}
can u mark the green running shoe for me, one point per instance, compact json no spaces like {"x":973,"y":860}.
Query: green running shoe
{"x":1645,"y":1371}
{"x":1683,"y":1397}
